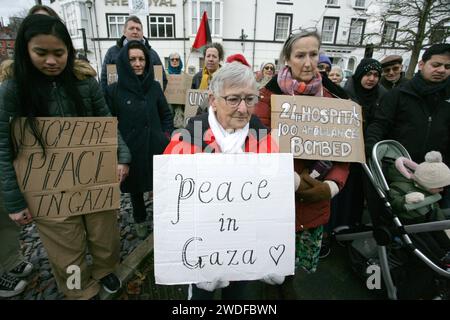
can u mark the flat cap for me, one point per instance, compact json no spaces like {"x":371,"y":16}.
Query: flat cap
{"x":391,"y":60}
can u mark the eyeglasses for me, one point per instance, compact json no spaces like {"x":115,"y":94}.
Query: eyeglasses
{"x":393,"y":68}
{"x":269,"y":68}
{"x":234,"y":101}
{"x":174,"y":59}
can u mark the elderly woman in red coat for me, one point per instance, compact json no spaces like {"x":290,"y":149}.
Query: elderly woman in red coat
{"x":229,"y":126}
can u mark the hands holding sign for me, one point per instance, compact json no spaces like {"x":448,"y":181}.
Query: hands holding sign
{"x":21,"y":218}
{"x":122,"y":172}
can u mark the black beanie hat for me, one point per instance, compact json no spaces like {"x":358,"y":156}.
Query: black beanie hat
{"x":366,"y":65}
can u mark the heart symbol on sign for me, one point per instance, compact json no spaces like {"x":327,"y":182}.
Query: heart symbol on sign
{"x":276,"y":252}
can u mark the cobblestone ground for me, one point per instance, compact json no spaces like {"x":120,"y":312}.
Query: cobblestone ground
{"x":41,"y":284}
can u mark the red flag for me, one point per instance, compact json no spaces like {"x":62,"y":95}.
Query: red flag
{"x":203,"y":36}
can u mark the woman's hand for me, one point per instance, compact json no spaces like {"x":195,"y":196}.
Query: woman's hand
{"x":21,"y":218}
{"x":122,"y":172}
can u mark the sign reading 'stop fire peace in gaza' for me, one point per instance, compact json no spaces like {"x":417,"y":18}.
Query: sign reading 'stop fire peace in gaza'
{"x":78,"y":172}
{"x":318,"y":128}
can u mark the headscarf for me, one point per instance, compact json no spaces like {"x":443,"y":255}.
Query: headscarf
{"x":175,"y":70}
{"x":366,"y":97}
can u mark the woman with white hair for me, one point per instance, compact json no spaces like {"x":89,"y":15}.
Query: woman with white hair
{"x":228,"y":127}
{"x":336,"y":75}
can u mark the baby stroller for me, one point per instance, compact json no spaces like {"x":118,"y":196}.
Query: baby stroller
{"x":385,"y":242}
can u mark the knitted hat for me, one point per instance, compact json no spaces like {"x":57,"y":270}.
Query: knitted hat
{"x":391,"y":60}
{"x":239,"y":58}
{"x":432,"y":173}
{"x":366,"y":65}
{"x":324,"y":59}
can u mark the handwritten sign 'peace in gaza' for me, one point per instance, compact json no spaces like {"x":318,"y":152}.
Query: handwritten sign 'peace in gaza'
{"x":223,"y":216}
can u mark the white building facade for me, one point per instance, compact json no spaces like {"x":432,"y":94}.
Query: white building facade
{"x":254,"y":28}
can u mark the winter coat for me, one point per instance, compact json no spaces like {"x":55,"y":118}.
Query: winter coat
{"x":367,"y":110}
{"x":405,"y":116}
{"x":197,"y":79}
{"x":145,"y":120}
{"x":205,"y":142}
{"x":59,"y":106}
{"x":111,"y":58}
{"x":313,"y":214}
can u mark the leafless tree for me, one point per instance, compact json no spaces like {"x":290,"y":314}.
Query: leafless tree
{"x":417,"y":24}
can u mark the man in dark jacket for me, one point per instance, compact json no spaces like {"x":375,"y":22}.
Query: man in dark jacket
{"x":392,"y":75}
{"x":417,"y":114}
{"x":131,"y":31}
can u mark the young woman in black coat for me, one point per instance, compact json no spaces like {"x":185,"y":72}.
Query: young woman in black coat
{"x":145,"y":122}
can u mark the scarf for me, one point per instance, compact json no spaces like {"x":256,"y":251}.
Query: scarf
{"x":206,"y":78}
{"x":228,"y":142}
{"x":294,"y":87}
{"x":425,"y":88}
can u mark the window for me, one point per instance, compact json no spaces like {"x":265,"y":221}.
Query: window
{"x":283,"y":24}
{"x":389,"y":33}
{"x":360,"y":3}
{"x":213,"y":9}
{"x":356,"y":31}
{"x":332,"y":2}
{"x":70,"y":17}
{"x":162,"y":26}
{"x":329,"y":29}
{"x":116,"y":24}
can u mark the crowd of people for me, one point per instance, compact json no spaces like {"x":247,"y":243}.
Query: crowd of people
{"x":46,"y":79}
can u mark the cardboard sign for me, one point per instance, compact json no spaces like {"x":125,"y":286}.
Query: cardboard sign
{"x":111,"y":74}
{"x":177,"y":86}
{"x":318,"y":128}
{"x":159,"y":75}
{"x":223,"y":216}
{"x":196,"y":102}
{"x":77,"y":175}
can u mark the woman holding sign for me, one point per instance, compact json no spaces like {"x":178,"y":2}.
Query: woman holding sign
{"x":46,"y":84}
{"x":228,"y":127}
{"x":145,"y":121}
{"x":300,"y":76}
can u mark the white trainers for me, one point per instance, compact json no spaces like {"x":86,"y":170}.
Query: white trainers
{"x":11,"y":286}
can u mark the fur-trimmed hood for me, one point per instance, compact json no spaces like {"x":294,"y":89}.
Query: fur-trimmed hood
{"x":83,"y":70}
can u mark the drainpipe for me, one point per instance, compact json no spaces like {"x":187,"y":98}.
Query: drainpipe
{"x":184,"y":37}
{"x":98,"y":36}
{"x":254,"y":35}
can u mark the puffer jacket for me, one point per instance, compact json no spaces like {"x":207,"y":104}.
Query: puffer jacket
{"x":59,"y":106}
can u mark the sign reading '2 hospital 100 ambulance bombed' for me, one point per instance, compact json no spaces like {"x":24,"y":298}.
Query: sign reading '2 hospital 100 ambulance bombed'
{"x":223,"y":216}
{"x":318,"y":128}
{"x":78,"y":173}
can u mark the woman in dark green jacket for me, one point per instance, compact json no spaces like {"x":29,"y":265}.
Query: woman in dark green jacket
{"x":47,"y":83}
